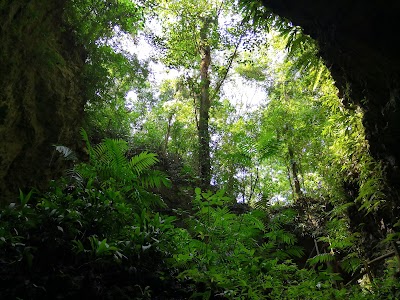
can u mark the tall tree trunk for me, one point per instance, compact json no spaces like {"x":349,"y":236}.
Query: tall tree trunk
{"x":205,"y":104}
{"x":295,"y":173}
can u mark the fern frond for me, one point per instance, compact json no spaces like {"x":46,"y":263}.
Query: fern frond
{"x":111,"y":151}
{"x":142,"y":161}
{"x":288,"y":238}
{"x":281,"y":236}
{"x":340,"y":209}
{"x":262,"y":204}
{"x":268,"y":145}
{"x":154,"y":179}
{"x":221,"y":214}
{"x":254,"y":222}
{"x":285,"y":216}
{"x":75,"y":177}
{"x":268,"y":247}
{"x":85,"y":138}
{"x":321,"y":258}
{"x":295,"y":251}
{"x":66,"y":152}
{"x":292,"y":252}
{"x":351,"y":263}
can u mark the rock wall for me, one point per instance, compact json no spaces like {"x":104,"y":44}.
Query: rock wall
{"x":41,"y":101}
{"x":357,"y":41}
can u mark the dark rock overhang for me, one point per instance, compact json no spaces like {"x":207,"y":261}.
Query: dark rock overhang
{"x":358,"y":41}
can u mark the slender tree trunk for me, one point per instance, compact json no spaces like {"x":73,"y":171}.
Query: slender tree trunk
{"x":253,"y":185}
{"x":167,"y":135}
{"x":295,"y":174}
{"x":289,"y":177}
{"x":205,"y":104}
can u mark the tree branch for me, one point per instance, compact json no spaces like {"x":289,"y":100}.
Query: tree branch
{"x":219,"y":84}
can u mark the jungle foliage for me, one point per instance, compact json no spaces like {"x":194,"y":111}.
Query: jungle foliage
{"x":294,"y":206}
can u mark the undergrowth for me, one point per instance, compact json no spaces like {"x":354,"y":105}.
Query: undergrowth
{"x":96,"y":234}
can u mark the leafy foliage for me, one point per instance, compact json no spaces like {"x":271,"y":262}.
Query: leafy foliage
{"x":93,"y":228}
{"x":98,"y":232}
{"x":109,"y":166}
{"x":221,"y":255}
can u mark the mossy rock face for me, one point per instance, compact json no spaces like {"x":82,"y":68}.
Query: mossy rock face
{"x":41,"y":101}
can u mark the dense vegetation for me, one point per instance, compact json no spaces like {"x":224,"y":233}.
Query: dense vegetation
{"x":188,"y":186}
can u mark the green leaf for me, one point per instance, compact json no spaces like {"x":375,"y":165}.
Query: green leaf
{"x":24,"y":199}
{"x":321,"y":258}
